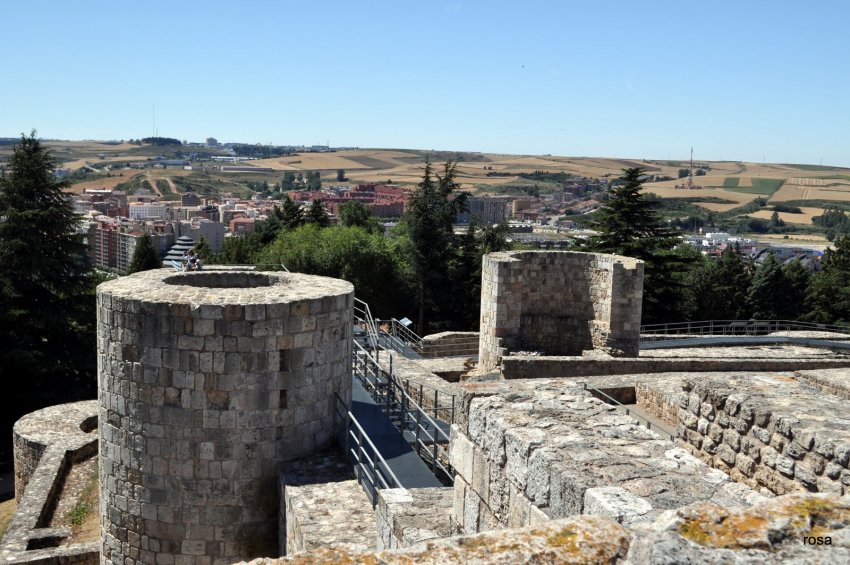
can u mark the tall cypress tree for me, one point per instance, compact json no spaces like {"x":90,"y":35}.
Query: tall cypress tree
{"x":316,"y":214}
{"x":628,"y":224}
{"x":145,"y":257}
{"x":829,"y":293}
{"x":720,"y":288}
{"x":431,"y":214}
{"x":47,"y":307}
{"x":767,"y":292}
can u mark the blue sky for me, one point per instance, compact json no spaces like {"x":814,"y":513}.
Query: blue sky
{"x":742,"y":80}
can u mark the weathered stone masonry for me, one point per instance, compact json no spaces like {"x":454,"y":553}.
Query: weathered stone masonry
{"x":559,"y":303}
{"x":768,"y":431}
{"x":207,"y":382}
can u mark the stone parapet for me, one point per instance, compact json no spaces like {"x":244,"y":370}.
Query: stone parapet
{"x":769,"y":431}
{"x":408,"y":516}
{"x":530,"y":451}
{"x":534,"y":367}
{"x":47,"y":443}
{"x":559,"y":303}
{"x":791,"y":530}
{"x":432,"y":392}
{"x":208,"y":381}
{"x":323,"y":505}
{"x":450,"y":344}
{"x":831,"y":381}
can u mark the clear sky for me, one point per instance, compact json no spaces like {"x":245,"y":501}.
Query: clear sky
{"x":746,"y":80}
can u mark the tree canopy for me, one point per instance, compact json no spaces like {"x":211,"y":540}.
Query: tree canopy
{"x":47,"y":305}
{"x":145,"y":256}
{"x":628,"y":224}
{"x":428,"y":227}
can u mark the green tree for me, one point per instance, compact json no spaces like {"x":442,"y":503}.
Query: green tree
{"x":628,"y":224}
{"x":428,"y":225}
{"x":719,"y":289}
{"x":794,"y":302}
{"x":47,"y":305}
{"x":288,"y":181}
{"x":767,"y":290}
{"x":340,"y":175}
{"x":317,"y":215}
{"x":145,"y":257}
{"x":356,"y":214}
{"x":204,"y":251}
{"x":291,"y":215}
{"x":829,"y":293}
{"x":314,"y":181}
{"x":370,"y":262}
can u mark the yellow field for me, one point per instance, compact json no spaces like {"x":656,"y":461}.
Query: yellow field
{"x":405,"y":168}
{"x":715,"y":207}
{"x":804,"y":218}
{"x":792,"y":238}
{"x":310,"y":162}
{"x":803,"y":192}
{"x":670,"y":192}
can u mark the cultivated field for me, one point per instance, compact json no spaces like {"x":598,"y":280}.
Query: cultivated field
{"x":804,"y":218}
{"x":735,"y":181}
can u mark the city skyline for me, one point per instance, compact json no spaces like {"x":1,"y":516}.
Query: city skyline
{"x":613,"y":79}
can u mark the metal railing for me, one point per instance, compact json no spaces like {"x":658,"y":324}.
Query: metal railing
{"x":629,"y":412}
{"x":429,"y":438}
{"x":442,"y":410}
{"x":370,"y":468}
{"x":405,"y":334}
{"x":726,"y":328}
{"x":364,"y":320}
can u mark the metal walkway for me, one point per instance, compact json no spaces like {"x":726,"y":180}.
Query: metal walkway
{"x":411,"y":470}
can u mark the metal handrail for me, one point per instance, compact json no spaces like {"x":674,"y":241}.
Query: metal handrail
{"x":722,"y":328}
{"x":373,"y":467}
{"x":631,"y":413}
{"x":406,"y":335}
{"x":393,"y":392}
{"x":363,"y":314}
{"x":437,"y":406}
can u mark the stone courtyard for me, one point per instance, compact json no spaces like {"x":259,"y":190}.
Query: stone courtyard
{"x":592,"y":450}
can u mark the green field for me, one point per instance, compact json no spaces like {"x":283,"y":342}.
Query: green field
{"x":730,"y":182}
{"x":764,"y":187}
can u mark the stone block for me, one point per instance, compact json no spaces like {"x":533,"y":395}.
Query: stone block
{"x":615,"y":503}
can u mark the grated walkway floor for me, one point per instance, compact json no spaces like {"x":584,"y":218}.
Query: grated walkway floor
{"x":408,"y":467}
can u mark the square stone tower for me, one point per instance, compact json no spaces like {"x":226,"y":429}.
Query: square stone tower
{"x":559,"y":303}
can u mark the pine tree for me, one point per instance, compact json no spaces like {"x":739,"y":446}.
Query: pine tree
{"x":628,"y":224}
{"x":204,"y":251}
{"x":829,"y":293}
{"x":145,"y":257}
{"x":291,"y":215}
{"x":768,"y":290}
{"x":720,"y":289}
{"x":794,"y":302}
{"x":428,"y":222}
{"x":47,"y":306}
{"x":317,"y":215}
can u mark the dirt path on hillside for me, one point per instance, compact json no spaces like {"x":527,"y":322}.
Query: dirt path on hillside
{"x":152,"y":183}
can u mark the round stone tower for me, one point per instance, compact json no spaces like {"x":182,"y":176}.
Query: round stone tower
{"x":207,"y":382}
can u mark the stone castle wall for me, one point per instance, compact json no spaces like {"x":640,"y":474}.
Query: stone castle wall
{"x":769,"y":431}
{"x":526,"y":452}
{"x":559,"y":303}
{"x":207,"y":382}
